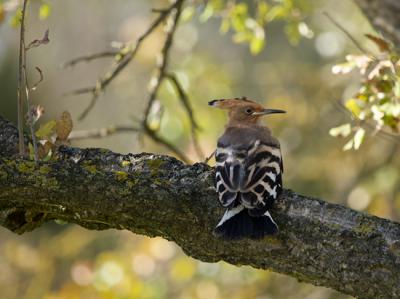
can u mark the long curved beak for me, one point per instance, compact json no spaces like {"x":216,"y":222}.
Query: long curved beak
{"x":269,"y":111}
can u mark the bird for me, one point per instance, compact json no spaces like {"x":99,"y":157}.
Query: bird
{"x":248,"y":172}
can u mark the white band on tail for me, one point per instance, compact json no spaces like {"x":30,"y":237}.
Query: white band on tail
{"x":230,"y":213}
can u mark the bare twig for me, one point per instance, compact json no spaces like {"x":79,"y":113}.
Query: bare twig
{"x":20,"y":74}
{"x":158,"y":139}
{"x":345,"y":31}
{"x":161,"y":73}
{"x":127,"y":53}
{"x":156,"y":81}
{"x":88,"y":58}
{"x":103,"y":82}
{"x":80,"y":91}
{"x":189,"y":110}
{"x":41,"y":77}
{"x":210,"y":157}
{"x":102,"y":132}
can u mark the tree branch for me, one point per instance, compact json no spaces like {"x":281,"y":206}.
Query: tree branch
{"x":320,"y":243}
{"x":384,"y":16}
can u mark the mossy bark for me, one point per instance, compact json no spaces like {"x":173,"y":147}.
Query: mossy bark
{"x":320,"y":243}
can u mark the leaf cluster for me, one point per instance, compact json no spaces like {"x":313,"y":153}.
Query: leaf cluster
{"x":376,"y":103}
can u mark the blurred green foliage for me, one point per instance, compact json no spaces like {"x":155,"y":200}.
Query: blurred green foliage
{"x":249,"y":19}
{"x":64,"y":261}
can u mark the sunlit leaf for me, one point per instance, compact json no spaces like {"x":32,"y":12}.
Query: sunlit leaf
{"x":383,"y":45}
{"x":358,"y":138}
{"x":44,"y":11}
{"x":225,"y":25}
{"x":187,"y":13}
{"x":256,"y":45}
{"x":212,"y":7}
{"x":342,"y":131}
{"x":15,"y":21}
{"x":46,"y":129}
{"x":353,"y":107}
{"x":348,"y":145}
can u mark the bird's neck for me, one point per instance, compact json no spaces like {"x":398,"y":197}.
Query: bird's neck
{"x":244,"y":123}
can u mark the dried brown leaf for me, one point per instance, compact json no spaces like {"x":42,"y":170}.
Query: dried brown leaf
{"x":64,"y":126}
{"x":40,"y":78}
{"x":38,"y":42}
{"x":382,"y":44}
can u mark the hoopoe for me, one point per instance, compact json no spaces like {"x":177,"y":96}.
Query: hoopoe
{"x":248,"y":171}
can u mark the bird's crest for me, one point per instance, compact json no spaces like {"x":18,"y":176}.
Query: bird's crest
{"x":234,"y":102}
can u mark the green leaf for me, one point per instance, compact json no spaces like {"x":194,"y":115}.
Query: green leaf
{"x":256,"y":45}
{"x":15,"y":21}
{"x":187,"y":14}
{"x":353,"y":107}
{"x":342,"y":131}
{"x":44,"y":11}
{"x":358,"y":138}
{"x":46,"y":130}
{"x":213,"y":6}
{"x":225,"y":25}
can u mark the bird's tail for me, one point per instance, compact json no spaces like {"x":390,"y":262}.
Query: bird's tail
{"x":238,"y":224}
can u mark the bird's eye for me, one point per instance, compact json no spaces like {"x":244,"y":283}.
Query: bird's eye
{"x":249,"y":111}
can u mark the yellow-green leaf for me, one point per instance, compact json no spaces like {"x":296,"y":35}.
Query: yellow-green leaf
{"x":15,"y":21}
{"x":353,"y":107}
{"x":44,"y":11}
{"x":187,"y":14}
{"x":46,"y":130}
{"x":256,"y":45}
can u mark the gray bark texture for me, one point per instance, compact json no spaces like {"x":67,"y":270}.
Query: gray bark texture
{"x":384,"y":16}
{"x":153,"y":195}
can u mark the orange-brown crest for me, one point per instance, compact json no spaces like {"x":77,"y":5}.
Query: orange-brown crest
{"x":243,"y":111}
{"x":235,"y":102}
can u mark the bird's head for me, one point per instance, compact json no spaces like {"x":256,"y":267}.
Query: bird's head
{"x":243,"y":110}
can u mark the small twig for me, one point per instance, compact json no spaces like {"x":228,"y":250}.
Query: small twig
{"x":79,"y":91}
{"x":31,"y":122}
{"x":186,"y":104}
{"x":345,"y":31}
{"x":210,"y":157}
{"x":152,"y":134}
{"x":164,"y":57}
{"x":103,"y":82}
{"x":102,"y":132}
{"x":88,"y":58}
{"x":20,"y":74}
{"x":41,"y":77}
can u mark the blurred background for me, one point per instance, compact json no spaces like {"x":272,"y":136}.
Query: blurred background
{"x":60,"y":261}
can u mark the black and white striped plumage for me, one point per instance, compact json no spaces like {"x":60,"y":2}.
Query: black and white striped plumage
{"x":248,"y":180}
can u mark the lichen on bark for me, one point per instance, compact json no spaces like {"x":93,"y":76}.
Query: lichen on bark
{"x":320,"y":243}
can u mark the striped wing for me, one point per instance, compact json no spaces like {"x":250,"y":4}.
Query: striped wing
{"x":253,"y":176}
{"x":262,"y":182}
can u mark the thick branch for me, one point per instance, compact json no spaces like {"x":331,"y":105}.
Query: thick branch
{"x":320,"y":243}
{"x":384,"y":15}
